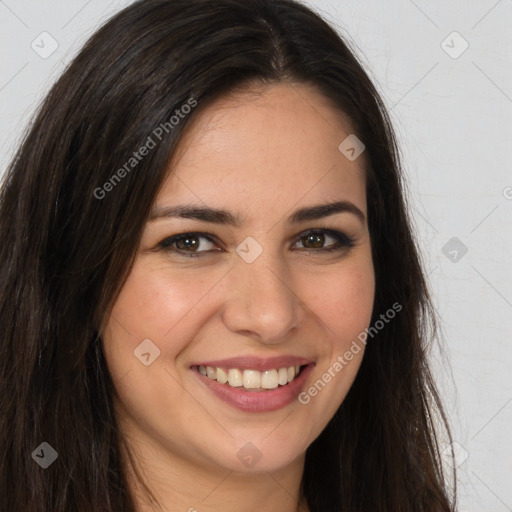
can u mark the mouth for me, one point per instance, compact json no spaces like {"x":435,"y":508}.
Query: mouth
{"x":254,"y":385}
{"x":250,"y":379}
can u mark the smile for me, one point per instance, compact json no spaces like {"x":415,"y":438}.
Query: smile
{"x":253,"y":380}
{"x":252,"y":384}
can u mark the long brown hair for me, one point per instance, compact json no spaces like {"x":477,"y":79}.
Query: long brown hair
{"x":65,"y":254}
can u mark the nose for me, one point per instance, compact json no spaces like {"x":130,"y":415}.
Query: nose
{"x":261,"y":300}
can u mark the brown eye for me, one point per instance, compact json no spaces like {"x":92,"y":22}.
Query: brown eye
{"x":188,"y":244}
{"x":315,"y":240}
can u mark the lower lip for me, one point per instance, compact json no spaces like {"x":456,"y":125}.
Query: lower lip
{"x":258,"y":401}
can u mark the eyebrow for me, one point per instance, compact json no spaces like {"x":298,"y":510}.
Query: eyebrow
{"x":218,"y":216}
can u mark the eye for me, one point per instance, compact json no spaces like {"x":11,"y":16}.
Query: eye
{"x":188,"y":244}
{"x":314,"y":240}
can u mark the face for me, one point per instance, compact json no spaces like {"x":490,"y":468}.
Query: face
{"x":226,"y":341}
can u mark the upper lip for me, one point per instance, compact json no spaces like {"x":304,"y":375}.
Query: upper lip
{"x":256,"y":363}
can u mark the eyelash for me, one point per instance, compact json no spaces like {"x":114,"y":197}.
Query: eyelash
{"x":343,"y":242}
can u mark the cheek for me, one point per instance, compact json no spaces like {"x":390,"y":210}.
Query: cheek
{"x":343,"y":300}
{"x":343,"y":306}
{"x":163,"y":306}
{"x":348,"y":318}
{"x":156,"y":303}
{"x":153,"y":305}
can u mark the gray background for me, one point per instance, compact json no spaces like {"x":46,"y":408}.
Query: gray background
{"x":452,"y":110}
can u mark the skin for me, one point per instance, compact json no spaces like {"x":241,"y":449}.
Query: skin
{"x":262,"y":153}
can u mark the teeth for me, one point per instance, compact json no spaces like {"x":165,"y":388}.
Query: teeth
{"x":222,"y":376}
{"x":235,"y":378}
{"x":269,"y":379}
{"x":282,"y":376}
{"x":251,"y":379}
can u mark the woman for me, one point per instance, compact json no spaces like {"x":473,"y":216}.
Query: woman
{"x":211,"y":297}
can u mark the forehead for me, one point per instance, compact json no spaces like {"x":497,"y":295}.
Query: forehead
{"x":270,"y":147}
